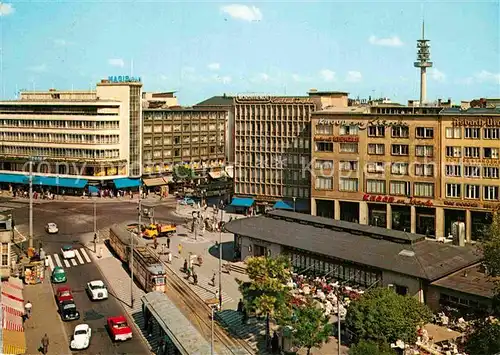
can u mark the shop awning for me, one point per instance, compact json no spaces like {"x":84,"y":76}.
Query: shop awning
{"x":12,"y":306}
{"x":242,"y":202}
{"x":216,"y":174}
{"x":12,"y":322}
{"x":159,"y":181}
{"x":12,"y":292}
{"x":13,"y":342}
{"x":74,"y":183}
{"x":16,"y":282}
{"x":14,"y":178}
{"x":282,"y":205}
{"x":124,"y":183}
{"x":230,"y":171}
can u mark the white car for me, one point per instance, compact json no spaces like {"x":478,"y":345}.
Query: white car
{"x":68,"y":252}
{"x":51,"y":228}
{"x":97,"y":290}
{"x":81,"y":337}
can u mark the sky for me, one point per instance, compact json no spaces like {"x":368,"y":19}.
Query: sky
{"x":201,"y":49}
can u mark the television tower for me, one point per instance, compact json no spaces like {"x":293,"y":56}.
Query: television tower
{"x":423,"y":56}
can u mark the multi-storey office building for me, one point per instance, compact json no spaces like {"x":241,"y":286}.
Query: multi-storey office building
{"x":73,"y":137}
{"x":272,"y":143}
{"x":407,"y":168}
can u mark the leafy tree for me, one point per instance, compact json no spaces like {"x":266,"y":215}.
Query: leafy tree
{"x":311,"y":326}
{"x":182,"y":174}
{"x":266,"y":292}
{"x":491,"y":247}
{"x":484,"y":339}
{"x":369,"y":347}
{"x":384,"y":316}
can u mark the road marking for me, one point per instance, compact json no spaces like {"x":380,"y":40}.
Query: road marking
{"x":51,"y":263}
{"x":73,"y":261}
{"x":79,"y":257}
{"x":58,"y":261}
{"x":66,"y":262}
{"x":84,"y":253}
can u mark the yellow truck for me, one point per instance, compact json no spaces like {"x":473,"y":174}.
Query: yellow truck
{"x":159,"y":230}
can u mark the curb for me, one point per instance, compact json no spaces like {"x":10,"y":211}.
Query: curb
{"x":83,"y":201}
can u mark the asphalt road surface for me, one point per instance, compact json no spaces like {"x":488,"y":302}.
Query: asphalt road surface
{"x":74,"y":219}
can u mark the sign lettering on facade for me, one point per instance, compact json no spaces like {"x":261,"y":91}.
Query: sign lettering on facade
{"x":124,"y":79}
{"x":265,"y":99}
{"x":490,"y":206}
{"x":475,"y":122}
{"x":337,"y":138}
{"x":403,"y":201}
{"x":361,"y":125}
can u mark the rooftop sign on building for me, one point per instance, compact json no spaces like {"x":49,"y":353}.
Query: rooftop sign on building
{"x":124,"y":79}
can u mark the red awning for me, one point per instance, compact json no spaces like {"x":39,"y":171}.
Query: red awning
{"x":16,"y":282}
{"x":12,"y":306}
{"x":12,"y":292}
{"x":12,"y":322}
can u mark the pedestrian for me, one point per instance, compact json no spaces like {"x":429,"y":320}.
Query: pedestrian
{"x":45,"y":344}
{"x":27,"y":308}
{"x":179,"y":248}
{"x":195,"y":278}
{"x":188,"y":274}
{"x":169,"y":257}
{"x":185,"y":267}
{"x":168,"y":242}
{"x":275,"y":343}
{"x":244,"y":316}
{"x":240,"y":306}
{"x":155,"y":242}
{"x":213,"y":280}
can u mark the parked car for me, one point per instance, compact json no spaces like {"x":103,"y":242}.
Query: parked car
{"x":119,"y":328}
{"x":51,"y":228}
{"x":81,"y":337}
{"x":68,"y":252}
{"x":186,"y":201}
{"x":97,"y":290}
{"x":68,"y":311}
{"x":58,"y":275}
{"x":63,"y":294}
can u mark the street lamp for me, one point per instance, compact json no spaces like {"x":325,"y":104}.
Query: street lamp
{"x":220,"y":257}
{"x":95,"y":226}
{"x":31,"y":202}
{"x":294,"y":199}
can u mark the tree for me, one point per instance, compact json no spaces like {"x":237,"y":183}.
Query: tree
{"x":384,"y":316}
{"x":311,"y":326}
{"x":267,"y":291}
{"x":369,"y":347}
{"x":491,"y":247}
{"x":484,"y":339}
{"x":182,"y":174}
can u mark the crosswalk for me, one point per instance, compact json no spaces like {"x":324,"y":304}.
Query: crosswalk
{"x":81,"y":257}
{"x":206,"y":290}
{"x":250,"y":331}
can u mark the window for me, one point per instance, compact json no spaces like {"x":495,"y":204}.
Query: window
{"x":424,"y":150}
{"x":400,"y":132}
{"x":423,"y":189}
{"x":490,"y":153}
{"x":352,"y":130}
{"x":424,"y":169}
{"x":375,"y":186}
{"x":472,"y":171}
{"x":376,"y":131}
{"x":399,"y":168}
{"x":375,"y":167}
{"x":471,"y":152}
{"x":324,"y":146}
{"x":351,"y":165}
{"x":453,"y":152}
{"x":348,"y":147}
{"x":453,"y":170}
{"x":324,"y":183}
{"x":399,"y":149}
{"x":472,"y":133}
{"x":323,"y":164}
{"x":324,"y":129}
{"x":423,"y":132}
{"x":376,"y":149}
{"x":491,"y":173}
{"x":490,"y":193}
{"x":471,"y":191}
{"x":5,"y":254}
{"x":453,"y":132}
{"x":453,"y":190}
{"x":401,"y":188}
{"x":346,"y":184}
{"x":491,"y":133}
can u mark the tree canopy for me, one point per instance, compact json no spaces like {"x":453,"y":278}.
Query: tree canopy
{"x":365,"y":347}
{"x":484,"y":339}
{"x":182,"y":174}
{"x":491,"y":247}
{"x":384,"y":316}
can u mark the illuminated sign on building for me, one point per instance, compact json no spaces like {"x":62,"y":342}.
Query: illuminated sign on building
{"x":361,"y":125}
{"x":124,"y":79}
{"x":290,"y":100}
{"x":253,"y":98}
{"x":475,"y":122}
{"x":337,"y":138}
{"x":404,"y":201}
{"x":265,"y":99}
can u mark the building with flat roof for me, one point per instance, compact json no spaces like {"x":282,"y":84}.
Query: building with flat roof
{"x":6,"y":238}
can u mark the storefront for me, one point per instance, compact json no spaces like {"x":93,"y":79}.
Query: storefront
{"x":426,"y":221}
{"x":325,"y":208}
{"x":377,"y":215}
{"x":349,"y":211}
{"x":401,"y":218}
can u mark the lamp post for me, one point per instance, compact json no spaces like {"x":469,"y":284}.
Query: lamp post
{"x":220,"y":257}
{"x":31,"y":203}
{"x":294,"y":199}
{"x":95,"y":227}
{"x":132,"y":269}
{"x":212,"y":332}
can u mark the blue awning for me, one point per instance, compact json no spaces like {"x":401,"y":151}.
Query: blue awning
{"x":14,"y":178}
{"x":282,"y":205}
{"x":74,"y":183}
{"x":124,"y":183}
{"x":93,"y":189}
{"x":242,"y":202}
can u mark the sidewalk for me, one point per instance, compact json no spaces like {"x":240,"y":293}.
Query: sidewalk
{"x":44,"y":319}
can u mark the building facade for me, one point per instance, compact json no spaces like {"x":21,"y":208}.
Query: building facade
{"x":415,"y":169}
{"x":87,"y":135}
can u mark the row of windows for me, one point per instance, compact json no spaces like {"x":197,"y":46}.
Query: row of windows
{"x":169,"y":140}
{"x":185,"y":152}
{"x":277,"y":143}
{"x":376,"y":149}
{"x":60,"y":138}
{"x":471,"y":171}
{"x":185,"y":116}
{"x":377,"y":131}
{"x":60,"y":152}
{"x":186,"y":127}
{"x":471,"y":191}
{"x":279,"y":110}
{"x":472,"y":133}
{"x":60,"y":124}
{"x":472,"y":152}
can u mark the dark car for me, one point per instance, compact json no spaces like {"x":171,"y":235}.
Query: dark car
{"x":68,"y":310}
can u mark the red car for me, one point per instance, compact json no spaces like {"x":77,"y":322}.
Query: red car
{"x":63,"y":294}
{"x":119,"y":328}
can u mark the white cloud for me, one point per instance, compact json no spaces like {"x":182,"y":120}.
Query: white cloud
{"x":41,"y":68}
{"x":485,"y":76}
{"x":353,"y":76}
{"x":243,"y":12}
{"x":116,"y":62}
{"x":437,"y":75}
{"x":213,"y":66}
{"x":6,"y":9}
{"x":327,"y":75}
{"x":393,"y":41}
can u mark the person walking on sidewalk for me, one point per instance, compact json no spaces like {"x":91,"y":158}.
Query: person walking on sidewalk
{"x":45,"y":344}
{"x":179,"y":248}
{"x":27,"y":308}
{"x":212,"y":281}
{"x":168,"y":242}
